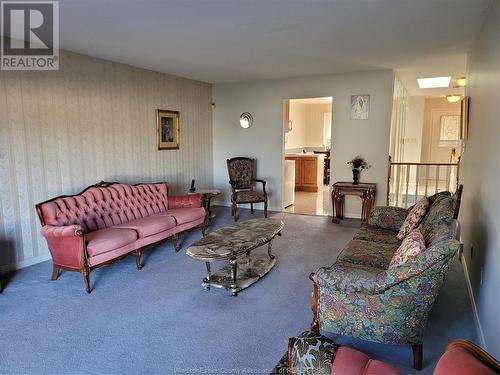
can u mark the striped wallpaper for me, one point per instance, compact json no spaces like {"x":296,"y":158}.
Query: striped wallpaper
{"x":92,"y":120}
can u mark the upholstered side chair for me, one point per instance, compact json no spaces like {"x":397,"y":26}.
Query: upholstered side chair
{"x":242,"y":180}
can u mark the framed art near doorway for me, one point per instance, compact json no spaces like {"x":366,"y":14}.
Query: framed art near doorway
{"x":464,"y":117}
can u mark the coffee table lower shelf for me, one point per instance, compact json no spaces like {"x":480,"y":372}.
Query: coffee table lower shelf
{"x":249,"y":270}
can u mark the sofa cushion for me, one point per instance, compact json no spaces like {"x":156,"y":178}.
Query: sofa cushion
{"x":149,"y":225}
{"x":368,"y":253}
{"x":440,"y":232}
{"x":441,"y":210}
{"x":350,"y":361}
{"x":438,"y":196}
{"x":104,"y":240}
{"x":249,"y":196}
{"x":376,"y":234}
{"x":414,"y":217}
{"x":388,"y":217}
{"x":412,"y":245}
{"x":185,"y":215}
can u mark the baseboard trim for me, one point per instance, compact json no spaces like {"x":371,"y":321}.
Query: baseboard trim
{"x":479,"y":327}
{"x":24,"y":263}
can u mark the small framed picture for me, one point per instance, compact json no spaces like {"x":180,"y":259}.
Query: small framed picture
{"x":464,"y":118}
{"x":167,"y":129}
{"x":360,"y":107}
{"x":449,"y":131}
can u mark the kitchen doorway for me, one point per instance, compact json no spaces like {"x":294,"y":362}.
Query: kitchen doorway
{"x":307,"y":125}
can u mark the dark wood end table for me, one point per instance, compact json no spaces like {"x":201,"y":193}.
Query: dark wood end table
{"x":206,"y":198}
{"x":366,"y":191}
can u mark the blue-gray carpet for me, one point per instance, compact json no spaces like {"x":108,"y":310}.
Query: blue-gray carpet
{"x":160,"y":321}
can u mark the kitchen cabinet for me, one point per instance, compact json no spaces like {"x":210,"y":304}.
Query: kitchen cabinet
{"x":308,"y":171}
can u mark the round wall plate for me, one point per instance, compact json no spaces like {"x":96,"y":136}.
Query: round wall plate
{"x":246,"y":120}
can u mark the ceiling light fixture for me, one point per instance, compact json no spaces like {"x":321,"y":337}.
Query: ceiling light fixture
{"x":462,"y":82}
{"x":453,"y":98}
{"x":434,"y":82}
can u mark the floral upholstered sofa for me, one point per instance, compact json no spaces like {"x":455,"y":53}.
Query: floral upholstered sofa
{"x":109,"y":221}
{"x":361,"y":296}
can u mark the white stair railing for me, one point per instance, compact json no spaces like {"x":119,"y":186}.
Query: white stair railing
{"x":408,"y":182}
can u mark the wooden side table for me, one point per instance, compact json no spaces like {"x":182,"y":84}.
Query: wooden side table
{"x":206,"y":198}
{"x":365,"y":191}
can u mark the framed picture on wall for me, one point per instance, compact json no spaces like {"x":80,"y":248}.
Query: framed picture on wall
{"x":167,"y":129}
{"x":360,"y":107}
{"x":449,"y":131}
{"x":464,"y":117}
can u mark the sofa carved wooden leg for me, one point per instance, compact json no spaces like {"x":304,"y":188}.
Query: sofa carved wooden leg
{"x":314,"y":305}
{"x":86,"y":278}
{"x":175,"y":237}
{"x":417,"y":356}
{"x":251,"y":208}
{"x":137,"y":254}
{"x":55,"y":271}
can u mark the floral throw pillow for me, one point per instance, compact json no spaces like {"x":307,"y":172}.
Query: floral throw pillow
{"x":412,"y":245}
{"x":414,"y":217}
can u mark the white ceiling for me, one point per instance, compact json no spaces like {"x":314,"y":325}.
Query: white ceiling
{"x":438,"y":66}
{"x":240,"y":40}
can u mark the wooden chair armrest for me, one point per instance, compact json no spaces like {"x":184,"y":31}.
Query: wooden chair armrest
{"x":477,"y":352}
{"x":263,"y":185}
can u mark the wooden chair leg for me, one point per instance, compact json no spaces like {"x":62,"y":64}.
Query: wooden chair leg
{"x":55,"y":271}
{"x":417,"y":356}
{"x":86,"y":278}
{"x":137,"y":254}
{"x":265,"y":208}
{"x":235,"y":212}
{"x":203,"y":228}
{"x":175,"y":237}
{"x":251,"y":208}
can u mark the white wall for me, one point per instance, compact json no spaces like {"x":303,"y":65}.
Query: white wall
{"x":92,"y":120}
{"x":315,"y":120}
{"x":480,"y":176}
{"x":413,"y":129}
{"x":264,"y":140}
{"x":297,"y":136}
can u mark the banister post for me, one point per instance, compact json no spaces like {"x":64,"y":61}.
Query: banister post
{"x":388,"y":180}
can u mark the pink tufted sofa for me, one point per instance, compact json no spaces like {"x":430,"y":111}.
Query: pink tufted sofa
{"x":108,"y":221}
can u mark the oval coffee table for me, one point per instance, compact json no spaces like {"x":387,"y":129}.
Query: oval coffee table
{"x":234,"y":243}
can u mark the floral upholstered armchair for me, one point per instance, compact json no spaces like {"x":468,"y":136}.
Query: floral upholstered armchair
{"x":242,"y":179}
{"x":362,"y":296}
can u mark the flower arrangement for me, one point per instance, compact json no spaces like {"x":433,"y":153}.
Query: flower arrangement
{"x":358,"y":163}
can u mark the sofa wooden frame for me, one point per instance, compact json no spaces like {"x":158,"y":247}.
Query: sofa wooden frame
{"x":85,"y":268}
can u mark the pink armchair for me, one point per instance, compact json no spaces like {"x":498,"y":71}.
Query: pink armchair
{"x":311,"y":353}
{"x":109,"y":221}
